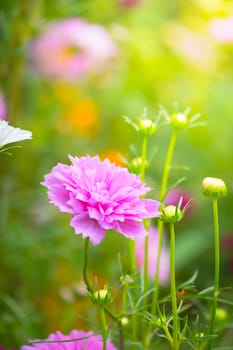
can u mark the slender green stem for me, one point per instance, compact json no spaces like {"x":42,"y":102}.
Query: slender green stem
{"x":163,"y":191}
{"x":216,"y":270}
{"x":86,"y":280}
{"x":104,"y":328}
{"x":169,"y":337}
{"x":146,"y":223}
{"x":167,"y":166}
{"x":89,"y":288}
{"x":120,"y":337}
{"x":131,"y":246}
{"x":144,"y":160}
{"x":173,"y":287}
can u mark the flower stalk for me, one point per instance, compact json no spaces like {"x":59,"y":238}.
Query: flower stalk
{"x":104,"y":327}
{"x":163,"y":191}
{"x":216,"y":268}
{"x":214,"y":188}
{"x":85,"y":277}
{"x":175,"y":344}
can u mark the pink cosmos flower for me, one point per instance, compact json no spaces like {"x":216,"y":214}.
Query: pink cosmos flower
{"x":71,"y":49}
{"x":58,"y":341}
{"x":100,"y":196}
{"x":164,"y":273}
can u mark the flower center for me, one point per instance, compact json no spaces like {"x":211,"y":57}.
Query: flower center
{"x":99,"y":192}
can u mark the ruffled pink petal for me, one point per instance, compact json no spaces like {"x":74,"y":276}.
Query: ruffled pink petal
{"x":82,"y":224}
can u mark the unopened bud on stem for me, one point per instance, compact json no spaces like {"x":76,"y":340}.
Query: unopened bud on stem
{"x":213,"y":187}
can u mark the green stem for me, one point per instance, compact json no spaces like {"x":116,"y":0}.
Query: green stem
{"x":104,"y":328}
{"x":86,"y":280}
{"x":146,"y":223}
{"x":86,"y":248}
{"x":131,"y":245}
{"x":173,"y":287}
{"x":167,"y":166}
{"x":163,"y":191}
{"x":216,"y":270}
{"x":144,"y":160}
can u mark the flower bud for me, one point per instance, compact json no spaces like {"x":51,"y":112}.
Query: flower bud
{"x":126,"y":280}
{"x":171,"y":213}
{"x":102,"y":296}
{"x":213,"y":187}
{"x":136,"y":165}
{"x":147,"y":126}
{"x":124,"y":321}
{"x":221,"y":314}
{"x":179,"y":120}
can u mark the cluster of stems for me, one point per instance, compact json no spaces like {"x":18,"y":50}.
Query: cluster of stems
{"x":174,"y":336}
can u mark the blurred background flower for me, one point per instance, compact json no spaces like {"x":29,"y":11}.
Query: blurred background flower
{"x":164,"y":273}
{"x":72,"y":49}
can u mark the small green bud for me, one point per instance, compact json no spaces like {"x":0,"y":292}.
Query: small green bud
{"x":124,"y":321}
{"x":126,"y":280}
{"x":102,"y":297}
{"x":213,"y":187}
{"x":221,"y":314}
{"x":179,"y":120}
{"x":147,"y":126}
{"x":136,"y":164}
{"x":171,"y":213}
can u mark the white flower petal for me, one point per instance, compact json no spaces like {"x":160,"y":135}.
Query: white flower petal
{"x":9,"y":134}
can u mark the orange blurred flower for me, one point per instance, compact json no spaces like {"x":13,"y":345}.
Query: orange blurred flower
{"x":114,"y":155}
{"x":83,"y":116}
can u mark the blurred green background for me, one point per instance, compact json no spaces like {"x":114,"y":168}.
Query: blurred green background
{"x":168,"y":52}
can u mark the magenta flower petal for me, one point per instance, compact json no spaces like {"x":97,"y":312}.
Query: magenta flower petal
{"x":81,"y":340}
{"x":131,"y":229}
{"x":88,"y":228}
{"x":100,"y":196}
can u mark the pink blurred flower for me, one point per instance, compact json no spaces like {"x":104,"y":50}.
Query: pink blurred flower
{"x":100,"y":195}
{"x":192,"y":47}
{"x":173,"y":197}
{"x":71,"y":49}
{"x":129,"y":3}
{"x":222,"y":29}
{"x":89,"y":342}
{"x":2,"y":107}
{"x":164,"y":273}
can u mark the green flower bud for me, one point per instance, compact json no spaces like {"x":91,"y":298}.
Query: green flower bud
{"x":213,"y":187}
{"x":171,"y":213}
{"x":136,"y":164}
{"x":126,"y":280}
{"x":124,"y":321}
{"x":221,"y":314}
{"x":102,"y":297}
{"x":179,"y":120}
{"x":147,"y":126}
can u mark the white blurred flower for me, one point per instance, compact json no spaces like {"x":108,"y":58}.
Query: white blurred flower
{"x":9,"y":134}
